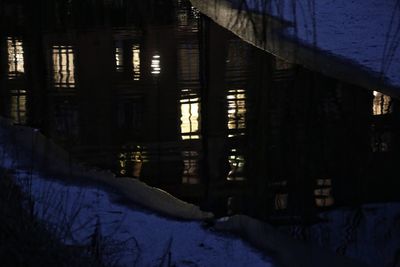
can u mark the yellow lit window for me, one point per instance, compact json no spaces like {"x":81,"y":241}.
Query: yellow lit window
{"x":15,"y":53}
{"x":63,"y":66}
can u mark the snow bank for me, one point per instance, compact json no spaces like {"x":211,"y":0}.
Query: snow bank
{"x":26,"y":148}
{"x":354,"y":41}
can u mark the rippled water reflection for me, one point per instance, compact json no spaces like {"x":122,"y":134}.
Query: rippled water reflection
{"x":174,"y":100}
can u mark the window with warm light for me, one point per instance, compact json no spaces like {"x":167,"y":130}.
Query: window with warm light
{"x":190,"y":118}
{"x":382,"y":104}
{"x":63,"y":66}
{"x":15,"y":53}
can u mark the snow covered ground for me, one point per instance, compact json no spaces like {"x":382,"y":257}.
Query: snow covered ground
{"x":366,"y":32}
{"x":82,"y":206}
{"x":131,"y":236}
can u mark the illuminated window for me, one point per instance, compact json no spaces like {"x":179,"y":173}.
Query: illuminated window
{"x":136,"y":62}
{"x":323,"y":193}
{"x":18,"y":107}
{"x":190,"y":167}
{"x":382,"y":104}
{"x":236,"y":112}
{"x":15,"y":57}
{"x":236,"y":164}
{"x":63,"y":66}
{"x":155,"y":65}
{"x":190,"y":118}
{"x":131,"y":163}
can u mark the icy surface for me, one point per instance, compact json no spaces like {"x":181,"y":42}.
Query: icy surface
{"x":365,"y":32}
{"x":131,"y":236}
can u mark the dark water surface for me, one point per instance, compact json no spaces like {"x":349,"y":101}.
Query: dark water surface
{"x":153,"y":90}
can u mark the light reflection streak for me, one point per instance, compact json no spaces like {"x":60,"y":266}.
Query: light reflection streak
{"x":136,"y":62}
{"x":15,"y":53}
{"x":236,"y":163}
{"x":155,"y":65}
{"x":119,"y":59}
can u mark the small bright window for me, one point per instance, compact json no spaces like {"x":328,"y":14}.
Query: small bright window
{"x":382,"y":104}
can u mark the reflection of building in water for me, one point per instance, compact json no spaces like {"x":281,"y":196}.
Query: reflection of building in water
{"x":278,"y":133}
{"x":131,"y":163}
{"x":63,"y":66}
{"x":382,"y":104}
{"x":15,"y":53}
{"x":190,"y":167}
{"x":18,"y":106}
{"x":236,"y":112}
